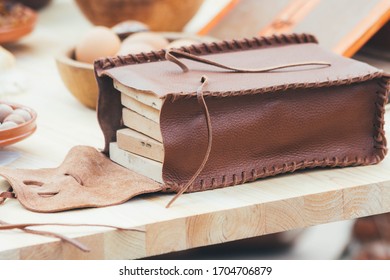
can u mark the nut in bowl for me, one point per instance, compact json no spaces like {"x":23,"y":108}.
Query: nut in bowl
{"x":17,"y":122}
{"x":79,"y":77}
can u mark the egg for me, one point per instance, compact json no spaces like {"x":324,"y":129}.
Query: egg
{"x":157,"y":41}
{"x":128,"y":27}
{"x":5,"y":110}
{"x":23,"y":113}
{"x":99,"y":42}
{"x":181,"y":42}
{"x":7,"y":125}
{"x":133,"y":48}
{"x":14,"y":118}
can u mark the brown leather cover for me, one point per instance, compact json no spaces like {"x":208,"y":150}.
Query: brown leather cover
{"x":263,"y":123}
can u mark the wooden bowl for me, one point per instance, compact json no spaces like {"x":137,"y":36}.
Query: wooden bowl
{"x":15,"y":134}
{"x":159,"y":15}
{"x":13,"y":33}
{"x":78,"y":77}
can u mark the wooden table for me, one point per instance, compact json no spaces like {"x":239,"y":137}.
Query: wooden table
{"x":266,"y":206}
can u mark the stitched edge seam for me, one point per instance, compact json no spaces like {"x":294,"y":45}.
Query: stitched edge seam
{"x":205,"y":48}
{"x":172,"y":97}
{"x":245,"y":176}
{"x":382,"y":97}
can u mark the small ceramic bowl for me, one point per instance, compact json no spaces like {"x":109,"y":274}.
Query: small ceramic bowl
{"x":13,"y":33}
{"x":15,"y":134}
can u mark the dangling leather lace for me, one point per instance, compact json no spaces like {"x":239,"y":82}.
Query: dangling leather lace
{"x":26,"y":228}
{"x":202,"y":104}
{"x":173,"y":55}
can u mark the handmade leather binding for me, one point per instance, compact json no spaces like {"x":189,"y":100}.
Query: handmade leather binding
{"x":263,"y":124}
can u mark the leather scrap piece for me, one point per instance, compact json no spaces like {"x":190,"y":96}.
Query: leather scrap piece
{"x":86,"y":178}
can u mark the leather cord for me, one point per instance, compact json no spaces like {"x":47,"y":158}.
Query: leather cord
{"x":173,"y":55}
{"x":25,"y":227}
{"x":203,"y":105}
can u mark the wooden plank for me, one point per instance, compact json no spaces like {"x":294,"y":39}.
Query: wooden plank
{"x":142,"y":109}
{"x":139,"y":164}
{"x":140,"y":144}
{"x":342,"y":26}
{"x":218,"y":17}
{"x":146,"y":98}
{"x":346,"y":22}
{"x":141,"y":124}
{"x":289,"y":17}
{"x":365,"y":29}
{"x":266,"y":206}
{"x":115,"y":241}
{"x":256,"y":14}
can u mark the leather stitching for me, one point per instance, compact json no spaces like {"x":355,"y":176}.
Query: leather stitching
{"x":210,"y":48}
{"x":339,"y":82}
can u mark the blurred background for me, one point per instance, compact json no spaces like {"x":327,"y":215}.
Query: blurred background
{"x":47,"y":48}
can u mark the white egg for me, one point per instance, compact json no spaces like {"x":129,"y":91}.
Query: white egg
{"x":5,"y":110}
{"x":14,"y":118}
{"x":7,"y":125}
{"x":23,"y":113}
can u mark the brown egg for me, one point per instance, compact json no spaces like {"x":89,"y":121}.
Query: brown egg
{"x":23,"y":113}
{"x":14,"y":118}
{"x":181,"y":42}
{"x":99,"y":42}
{"x":5,"y":110}
{"x":157,"y":41}
{"x":133,"y":48}
{"x":7,"y":125}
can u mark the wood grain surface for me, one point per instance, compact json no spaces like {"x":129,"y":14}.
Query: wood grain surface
{"x":272,"y":205}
